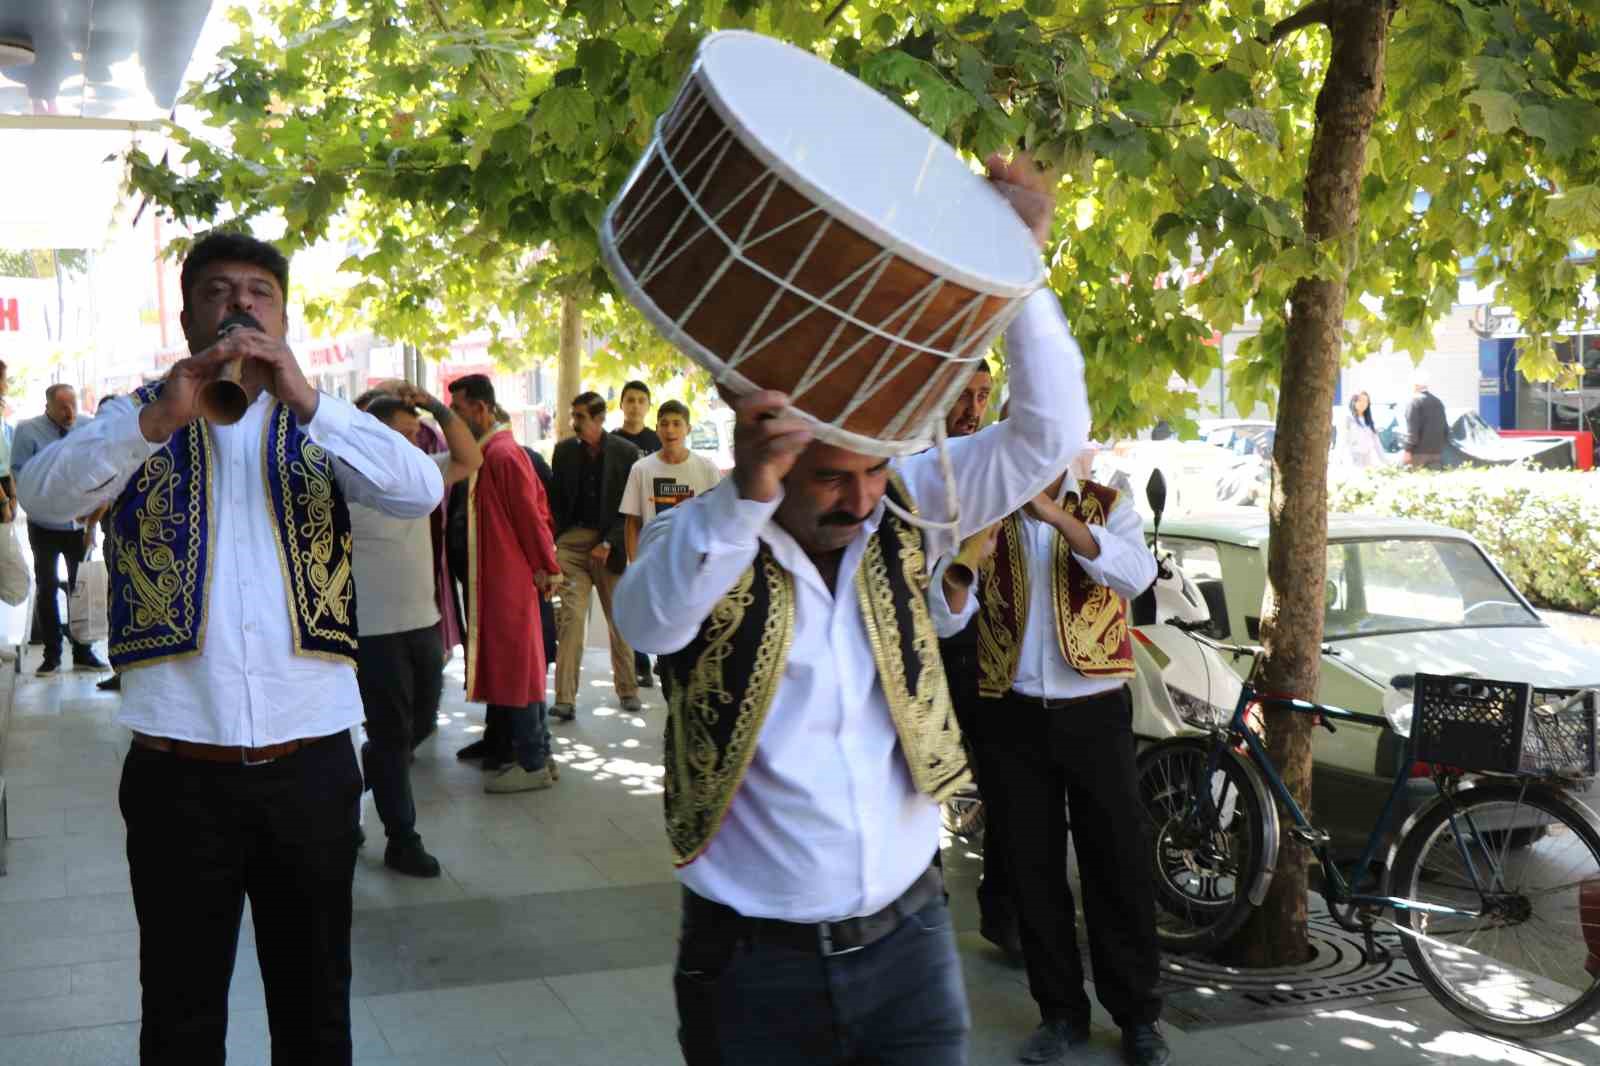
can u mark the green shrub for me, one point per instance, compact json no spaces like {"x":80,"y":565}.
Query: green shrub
{"x":1541,"y":526}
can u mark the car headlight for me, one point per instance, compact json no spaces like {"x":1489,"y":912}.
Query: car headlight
{"x":1400,"y":717}
{"x":1194,"y":710}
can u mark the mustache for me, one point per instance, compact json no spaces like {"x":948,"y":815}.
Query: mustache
{"x":841,"y":518}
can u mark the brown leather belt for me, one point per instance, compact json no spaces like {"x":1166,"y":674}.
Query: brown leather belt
{"x":825,"y":938}
{"x":225,"y":753}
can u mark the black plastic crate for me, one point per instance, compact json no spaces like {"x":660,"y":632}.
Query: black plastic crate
{"x":1475,"y":723}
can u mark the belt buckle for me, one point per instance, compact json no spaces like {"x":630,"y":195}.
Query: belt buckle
{"x":244,"y":758}
{"x":825,"y":941}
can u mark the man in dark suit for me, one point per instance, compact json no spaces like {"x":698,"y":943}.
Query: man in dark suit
{"x":591,"y":471}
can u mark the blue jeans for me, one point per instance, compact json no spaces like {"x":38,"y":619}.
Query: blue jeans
{"x":897,"y":1002}
{"x":529,"y":731}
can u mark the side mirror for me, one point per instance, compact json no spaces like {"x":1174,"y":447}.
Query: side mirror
{"x":1155,"y":491}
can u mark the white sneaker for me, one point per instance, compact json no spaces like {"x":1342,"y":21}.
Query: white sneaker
{"x":515,"y":779}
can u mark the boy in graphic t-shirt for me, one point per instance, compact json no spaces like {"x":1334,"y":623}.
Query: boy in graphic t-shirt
{"x":665,"y":479}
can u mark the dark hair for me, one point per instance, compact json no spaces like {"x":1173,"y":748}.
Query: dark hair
{"x":367,"y":397}
{"x":384,"y":407}
{"x":673,"y":407}
{"x":1364,"y":416}
{"x":476,"y":387}
{"x":223,"y":246}
{"x":983,"y":367}
{"x":636,"y":386}
{"x":50,"y":392}
{"x":590,"y":402}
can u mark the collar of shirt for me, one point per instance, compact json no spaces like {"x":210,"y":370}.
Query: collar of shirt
{"x":795,"y":559}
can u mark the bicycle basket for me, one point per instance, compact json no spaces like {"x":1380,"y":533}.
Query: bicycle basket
{"x":1505,"y":727}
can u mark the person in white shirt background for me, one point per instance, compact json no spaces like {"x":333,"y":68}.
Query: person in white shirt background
{"x":1054,"y":653}
{"x":1359,"y":445}
{"x":234,"y":631}
{"x":803,"y":779}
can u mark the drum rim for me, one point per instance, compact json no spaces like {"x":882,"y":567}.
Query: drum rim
{"x":721,"y":373}
{"x":900,"y":246}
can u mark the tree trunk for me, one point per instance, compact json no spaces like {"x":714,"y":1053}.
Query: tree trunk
{"x":570,"y":367}
{"x":1291,"y":620}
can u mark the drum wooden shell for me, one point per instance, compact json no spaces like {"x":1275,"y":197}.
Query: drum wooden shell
{"x":761,"y":281}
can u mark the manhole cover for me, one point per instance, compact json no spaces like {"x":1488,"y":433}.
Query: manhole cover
{"x":1201,"y":993}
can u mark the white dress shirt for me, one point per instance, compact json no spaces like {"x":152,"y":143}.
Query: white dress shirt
{"x":827,"y":824}
{"x":247,"y":687}
{"x":1124,"y":565}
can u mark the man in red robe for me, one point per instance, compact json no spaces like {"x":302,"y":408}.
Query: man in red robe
{"x":510,"y":554}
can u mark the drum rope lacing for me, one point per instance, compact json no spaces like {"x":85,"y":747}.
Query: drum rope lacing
{"x":967,"y":348}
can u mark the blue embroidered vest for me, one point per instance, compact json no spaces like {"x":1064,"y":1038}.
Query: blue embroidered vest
{"x":163,"y":538}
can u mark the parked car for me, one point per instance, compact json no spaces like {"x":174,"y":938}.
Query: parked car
{"x":1474,"y":442}
{"x":712,"y":437}
{"x":1402,"y":596}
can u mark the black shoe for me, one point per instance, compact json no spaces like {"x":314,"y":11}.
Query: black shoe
{"x":87,"y":660}
{"x":1002,"y":933}
{"x":1049,"y":1042}
{"x":49,"y":668}
{"x":566,"y":712}
{"x":1143,"y":1045}
{"x":476,"y":750}
{"x":411,"y":859}
{"x":645,"y":680}
{"x":111,"y":684}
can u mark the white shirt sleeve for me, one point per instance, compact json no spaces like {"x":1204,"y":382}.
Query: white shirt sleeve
{"x":1124,"y":564}
{"x":689,"y":557}
{"x":87,"y":468}
{"x":633,"y":495}
{"x":947,"y":623}
{"x":377,"y":467}
{"x":1000,"y":468}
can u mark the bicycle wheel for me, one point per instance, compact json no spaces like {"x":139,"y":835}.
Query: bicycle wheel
{"x":1203,"y":872}
{"x":1523,"y":961}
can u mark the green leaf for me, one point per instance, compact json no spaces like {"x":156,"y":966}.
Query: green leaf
{"x":1255,"y":120}
{"x":1220,"y":90}
{"x":453,"y":55}
{"x":1577,"y":209}
{"x":563,"y":115}
{"x":1499,"y":109}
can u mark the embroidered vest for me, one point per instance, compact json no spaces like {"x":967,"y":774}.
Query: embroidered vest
{"x":724,"y":681}
{"x":163,"y":537}
{"x":1091,"y":621}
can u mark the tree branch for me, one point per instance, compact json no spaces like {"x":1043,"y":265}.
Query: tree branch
{"x":836,"y":12}
{"x":1319,"y":11}
{"x":1164,"y":39}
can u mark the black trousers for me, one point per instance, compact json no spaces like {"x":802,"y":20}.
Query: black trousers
{"x":401,"y":677}
{"x":994,"y":891}
{"x":1085,"y":754}
{"x":49,"y":546}
{"x":897,"y":1002}
{"x":204,"y":836}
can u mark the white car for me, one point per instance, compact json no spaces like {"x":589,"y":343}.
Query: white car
{"x":1402,"y":597}
{"x":712,"y":437}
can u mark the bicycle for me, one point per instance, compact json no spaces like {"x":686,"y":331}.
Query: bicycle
{"x":1494,"y":885}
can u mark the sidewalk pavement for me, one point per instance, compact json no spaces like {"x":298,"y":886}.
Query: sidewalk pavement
{"x":549,"y":940}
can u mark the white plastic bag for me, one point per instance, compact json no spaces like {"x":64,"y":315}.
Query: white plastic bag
{"x":14,"y":577}
{"x":86,"y":607}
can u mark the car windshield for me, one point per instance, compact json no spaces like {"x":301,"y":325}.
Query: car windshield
{"x":1402,"y":585}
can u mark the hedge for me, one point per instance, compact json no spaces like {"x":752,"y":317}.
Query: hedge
{"x":1541,"y":526}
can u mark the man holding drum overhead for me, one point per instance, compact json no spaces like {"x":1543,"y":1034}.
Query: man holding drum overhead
{"x":810,"y":737}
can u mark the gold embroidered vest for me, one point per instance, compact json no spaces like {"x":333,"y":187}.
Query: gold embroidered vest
{"x":1091,"y":621}
{"x":724,"y":681}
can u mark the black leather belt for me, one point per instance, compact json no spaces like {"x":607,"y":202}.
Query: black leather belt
{"x":825,"y":938}
{"x":1055,"y":704}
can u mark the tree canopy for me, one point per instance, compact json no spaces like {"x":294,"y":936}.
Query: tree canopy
{"x":467,"y":148}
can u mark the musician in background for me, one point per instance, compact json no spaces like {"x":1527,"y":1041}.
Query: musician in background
{"x":810,"y":738}
{"x":1055,"y":720}
{"x":234,"y":630}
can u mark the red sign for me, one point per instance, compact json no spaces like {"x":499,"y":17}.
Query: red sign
{"x":10,"y":315}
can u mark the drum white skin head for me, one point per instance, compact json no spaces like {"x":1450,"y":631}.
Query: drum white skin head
{"x":790,"y":228}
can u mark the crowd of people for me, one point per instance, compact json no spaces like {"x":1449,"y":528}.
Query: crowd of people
{"x":833,"y":671}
